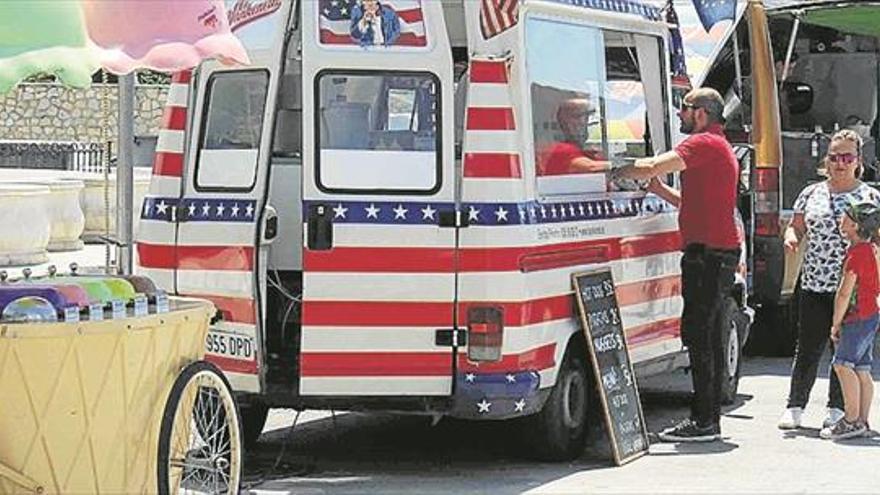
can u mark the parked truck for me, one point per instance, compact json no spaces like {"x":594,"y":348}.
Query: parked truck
{"x":370,"y":207}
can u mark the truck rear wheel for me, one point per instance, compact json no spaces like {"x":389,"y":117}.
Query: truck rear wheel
{"x":733,"y":335}
{"x":558,"y":432}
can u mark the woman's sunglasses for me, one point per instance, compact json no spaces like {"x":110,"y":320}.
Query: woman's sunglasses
{"x":844,"y":158}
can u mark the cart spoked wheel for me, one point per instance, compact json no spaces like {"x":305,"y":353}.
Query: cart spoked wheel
{"x":200,"y":435}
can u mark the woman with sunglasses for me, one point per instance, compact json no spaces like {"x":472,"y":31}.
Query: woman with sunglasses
{"x":817,"y":212}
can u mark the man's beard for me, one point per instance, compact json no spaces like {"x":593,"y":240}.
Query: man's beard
{"x":686,"y":127}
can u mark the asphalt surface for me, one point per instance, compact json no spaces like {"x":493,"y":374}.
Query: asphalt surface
{"x":374,"y":453}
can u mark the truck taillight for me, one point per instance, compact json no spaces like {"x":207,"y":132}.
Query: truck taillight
{"x":767,"y":224}
{"x":485,"y":333}
{"x":767,"y":201}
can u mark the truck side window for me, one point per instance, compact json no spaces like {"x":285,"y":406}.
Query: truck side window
{"x":604,"y":105}
{"x":231,"y":130}
{"x":378,"y":132}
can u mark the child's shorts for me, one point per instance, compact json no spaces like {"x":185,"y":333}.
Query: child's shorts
{"x":855,"y":348}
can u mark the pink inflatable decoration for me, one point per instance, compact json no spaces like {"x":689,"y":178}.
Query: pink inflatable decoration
{"x":165,"y":35}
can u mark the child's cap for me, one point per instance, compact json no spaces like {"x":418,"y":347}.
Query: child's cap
{"x":867,"y":217}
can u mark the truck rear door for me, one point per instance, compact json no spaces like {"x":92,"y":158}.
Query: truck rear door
{"x":379,"y":251}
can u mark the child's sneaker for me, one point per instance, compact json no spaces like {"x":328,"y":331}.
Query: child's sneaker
{"x":843,"y":429}
{"x":791,"y":418}
{"x":832,"y":417}
{"x":868,"y":433}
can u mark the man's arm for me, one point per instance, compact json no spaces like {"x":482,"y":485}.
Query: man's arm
{"x":665,"y":191}
{"x":586,"y":165}
{"x":646,"y":168}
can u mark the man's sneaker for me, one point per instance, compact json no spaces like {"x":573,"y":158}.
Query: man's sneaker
{"x":791,"y":418}
{"x":843,"y":429}
{"x":689,"y":431}
{"x":832,"y":417}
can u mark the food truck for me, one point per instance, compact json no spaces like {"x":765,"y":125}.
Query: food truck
{"x":795,"y":72}
{"x":371,"y":207}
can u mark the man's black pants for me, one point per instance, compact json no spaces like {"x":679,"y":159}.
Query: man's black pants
{"x":814,"y":329}
{"x":707,"y":279}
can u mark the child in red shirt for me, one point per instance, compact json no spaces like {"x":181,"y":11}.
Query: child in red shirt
{"x":855,"y":320}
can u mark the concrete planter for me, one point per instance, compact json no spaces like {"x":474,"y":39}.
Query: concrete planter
{"x":66,"y":218}
{"x":94,"y":203}
{"x":24,"y":215}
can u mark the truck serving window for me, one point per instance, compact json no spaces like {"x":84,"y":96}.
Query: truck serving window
{"x":378,"y":132}
{"x":590,"y":103}
{"x":231,"y":129}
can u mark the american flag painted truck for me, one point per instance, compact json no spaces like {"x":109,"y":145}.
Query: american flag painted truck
{"x":385,"y":210}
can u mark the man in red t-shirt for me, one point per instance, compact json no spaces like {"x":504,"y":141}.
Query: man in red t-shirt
{"x":568,"y":157}
{"x":707,"y":201}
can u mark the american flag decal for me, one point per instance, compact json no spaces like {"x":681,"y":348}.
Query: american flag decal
{"x":336,"y":22}
{"x":497,"y":16}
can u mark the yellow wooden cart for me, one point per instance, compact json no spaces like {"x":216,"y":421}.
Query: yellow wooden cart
{"x":116,"y":406}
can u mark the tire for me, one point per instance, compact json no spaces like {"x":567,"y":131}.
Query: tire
{"x":253,"y":419}
{"x":734,"y":333}
{"x":558,"y":432}
{"x":200,"y":434}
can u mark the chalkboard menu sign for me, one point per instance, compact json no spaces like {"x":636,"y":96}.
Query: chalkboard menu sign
{"x":606,"y":342}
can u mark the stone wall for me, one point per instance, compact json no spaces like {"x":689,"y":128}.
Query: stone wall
{"x":53,"y":112}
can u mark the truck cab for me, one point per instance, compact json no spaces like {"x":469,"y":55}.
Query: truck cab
{"x":387,"y":212}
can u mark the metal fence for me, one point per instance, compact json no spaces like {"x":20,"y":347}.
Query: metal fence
{"x":84,"y":157}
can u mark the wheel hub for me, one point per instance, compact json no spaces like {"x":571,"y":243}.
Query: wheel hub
{"x":732,"y":351}
{"x":574,"y":398}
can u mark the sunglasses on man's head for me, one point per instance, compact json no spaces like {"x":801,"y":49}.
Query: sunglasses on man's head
{"x":845,"y":158}
{"x":687,"y":106}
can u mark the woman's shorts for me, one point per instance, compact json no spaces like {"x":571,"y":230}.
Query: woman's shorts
{"x":855,"y":348}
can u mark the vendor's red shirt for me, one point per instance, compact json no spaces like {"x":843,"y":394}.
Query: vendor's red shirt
{"x":708,"y":190}
{"x":558,"y":159}
{"x":861,"y":261}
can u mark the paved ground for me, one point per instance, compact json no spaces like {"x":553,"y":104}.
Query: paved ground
{"x":356,"y":453}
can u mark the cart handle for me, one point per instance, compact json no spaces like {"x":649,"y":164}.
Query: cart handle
{"x":19,"y":479}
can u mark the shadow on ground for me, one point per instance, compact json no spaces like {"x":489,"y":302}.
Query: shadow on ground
{"x":355,"y":452}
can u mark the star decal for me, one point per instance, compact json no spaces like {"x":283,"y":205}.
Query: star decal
{"x":400,"y":212}
{"x":510,"y":378}
{"x":519,"y":406}
{"x":473,"y":214}
{"x":339,"y":211}
{"x":581,"y":209}
{"x":372,"y":211}
{"x":206,"y":209}
{"x":428,"y":213}
{"x":501,"y":214}
{"x":220,"y":209}
{"x":235,"y":209}
{"x":191,"y":210}
{"x":249,"y":211}
{"x":483,"y":406}
{"x":470,"y":377}
{"x":162,"y":208}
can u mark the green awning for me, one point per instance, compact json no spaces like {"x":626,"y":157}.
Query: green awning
{"x":855,"y":19}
